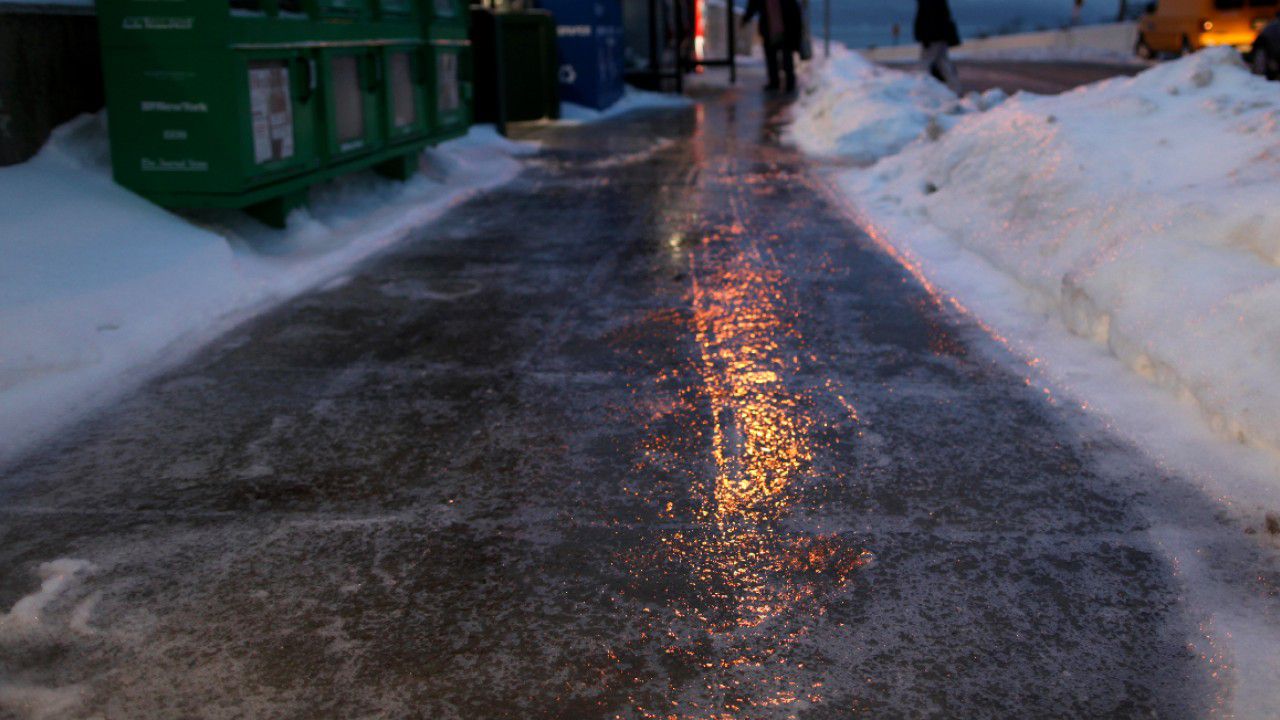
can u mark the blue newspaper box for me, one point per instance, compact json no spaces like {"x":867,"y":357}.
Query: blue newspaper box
{"x":590,"y":43}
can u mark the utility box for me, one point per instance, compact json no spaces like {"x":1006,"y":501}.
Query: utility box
{"x":590,"y":43}
{"x":246,"y":103}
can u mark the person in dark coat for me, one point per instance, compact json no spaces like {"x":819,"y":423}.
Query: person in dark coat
{"x":935,"y":30}
{"x":781,"y":33}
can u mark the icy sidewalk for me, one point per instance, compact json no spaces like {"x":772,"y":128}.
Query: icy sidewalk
{"x":1137,"y":213}
{"x":98,"y":287}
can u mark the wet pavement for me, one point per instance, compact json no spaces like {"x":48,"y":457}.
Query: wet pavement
{"x":653,"y":432}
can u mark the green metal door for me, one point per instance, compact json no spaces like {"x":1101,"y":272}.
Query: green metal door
{"x":207,"y":122}
{"x":351,"y":82}
{"x":279,"y":92}
{"x":450,"y":72}
{"x":405,"y":100}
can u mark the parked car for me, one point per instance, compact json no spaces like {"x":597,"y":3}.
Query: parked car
{"x":1184,"y":26}
{"x":1265,"y":57}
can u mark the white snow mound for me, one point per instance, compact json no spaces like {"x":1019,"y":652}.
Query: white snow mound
{"x":1141,"y":211}
{"x":855,"y":109}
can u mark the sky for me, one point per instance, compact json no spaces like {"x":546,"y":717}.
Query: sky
{"x":864,"y":22}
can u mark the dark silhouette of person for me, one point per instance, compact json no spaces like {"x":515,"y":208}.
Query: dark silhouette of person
{"x":935,"y":30}
{"x":781,"y":33}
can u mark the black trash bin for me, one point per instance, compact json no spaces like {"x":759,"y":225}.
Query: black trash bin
{"x":514,"y":61}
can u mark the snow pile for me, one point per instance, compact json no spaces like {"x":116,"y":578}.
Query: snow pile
{"x":855,"y":109}
{"x":633,"y":100}
{"x":98,"y":286}
{"x":1140,"y":212}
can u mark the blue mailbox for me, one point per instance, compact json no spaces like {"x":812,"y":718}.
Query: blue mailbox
{"x":590,"y":42}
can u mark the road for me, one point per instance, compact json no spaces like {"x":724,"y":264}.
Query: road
{"x":1037,"y":77}
{"x":1044,"y":78}
{"x":653,"y":432}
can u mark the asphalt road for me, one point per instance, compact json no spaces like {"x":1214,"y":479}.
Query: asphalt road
{"x":1045,"y":78}
{"x":1037,"y":77}
{"x":653,"y":432}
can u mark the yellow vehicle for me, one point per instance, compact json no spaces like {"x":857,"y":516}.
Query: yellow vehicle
{"x":1184,"y":26}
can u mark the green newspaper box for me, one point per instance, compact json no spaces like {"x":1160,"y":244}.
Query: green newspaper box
{"x":246,"y":103}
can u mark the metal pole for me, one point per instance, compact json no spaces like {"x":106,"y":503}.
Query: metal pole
{"x":678,"y":8}
{"x":654,"y":68}
{"x":826,"y":29}
{"x":733,"y":42}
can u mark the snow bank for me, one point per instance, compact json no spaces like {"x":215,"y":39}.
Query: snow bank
{"x":855,"y":109}
{"x":1126,"y":229}
{"x":97,"y":285}
{"x":1140,"y":211}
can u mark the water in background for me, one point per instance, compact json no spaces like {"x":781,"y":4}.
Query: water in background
{"x":861,"y":23}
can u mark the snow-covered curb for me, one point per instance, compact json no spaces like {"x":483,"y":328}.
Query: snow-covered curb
{"x":98,"y":287}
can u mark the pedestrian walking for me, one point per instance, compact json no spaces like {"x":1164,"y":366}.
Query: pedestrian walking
{"x":781,"y":33}
{"x":935,"y":30}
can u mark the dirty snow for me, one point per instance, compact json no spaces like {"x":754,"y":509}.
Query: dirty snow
{"x":98,"y":287}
